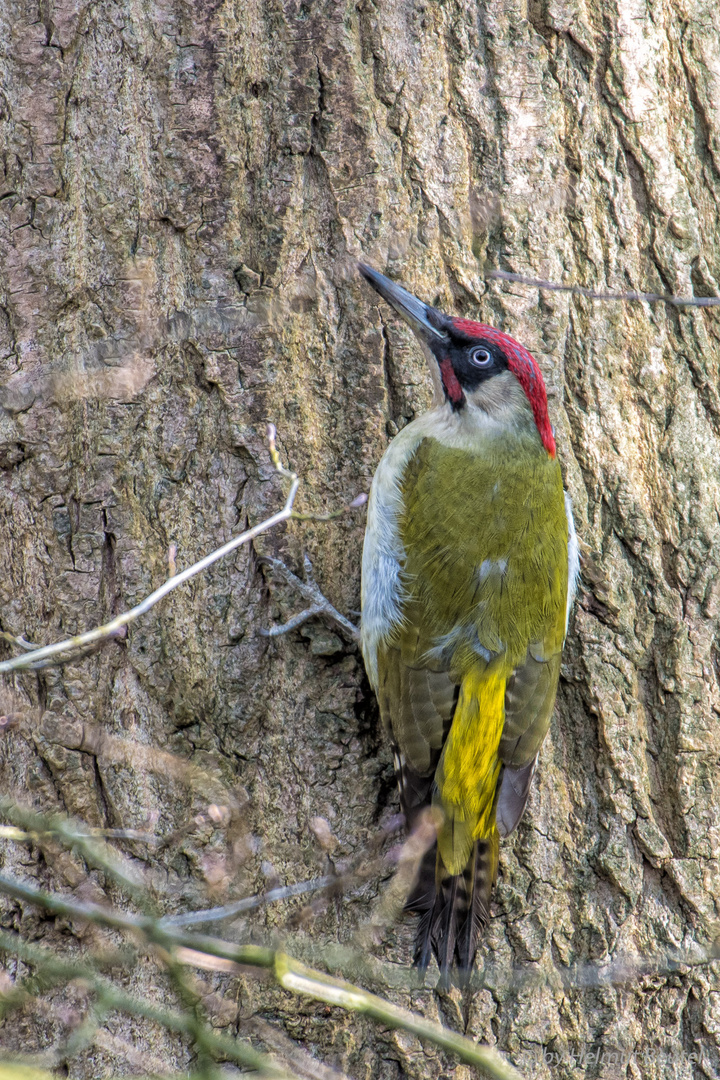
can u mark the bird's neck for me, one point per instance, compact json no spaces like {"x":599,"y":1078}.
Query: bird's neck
{"x":481,"y":423}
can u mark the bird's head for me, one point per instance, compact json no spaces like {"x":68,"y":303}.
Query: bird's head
{"x":469,"y":356}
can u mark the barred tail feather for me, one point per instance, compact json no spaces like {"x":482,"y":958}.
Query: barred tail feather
{"x":443,"y":933}
{"x":421,"y":902}
{"x":453,"y":909}
{"x":479,"y":876}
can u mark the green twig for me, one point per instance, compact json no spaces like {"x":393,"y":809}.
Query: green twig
{"x":294,"y":976}
{"x":111,"y":999}
{"x":290,"y":974}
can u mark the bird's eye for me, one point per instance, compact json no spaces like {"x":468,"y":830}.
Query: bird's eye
{"x":480,"y":358}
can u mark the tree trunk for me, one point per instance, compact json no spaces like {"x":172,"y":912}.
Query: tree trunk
{"x":186,"y":189}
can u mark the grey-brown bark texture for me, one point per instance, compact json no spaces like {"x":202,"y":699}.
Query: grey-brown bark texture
{"x":184,"y":190}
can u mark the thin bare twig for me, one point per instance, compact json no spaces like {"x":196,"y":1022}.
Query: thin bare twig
{"x":357,"y":502}
{"x":248,"y":903}
{"x":19,"y":642}
{"x":351,"y":876}
{"x":367,"y":865}
{"x":136,"y":835}
{"x":102,"y":633}
{"x":27,"y":826}
{"x":579,"y":290}
{"x":77,"y":654}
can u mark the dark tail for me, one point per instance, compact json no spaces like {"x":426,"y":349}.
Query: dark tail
{"x":453,"y":908}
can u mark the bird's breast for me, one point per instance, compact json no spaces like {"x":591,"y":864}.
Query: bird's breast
{"x":485,"y":538}
{"x":466,"y":541}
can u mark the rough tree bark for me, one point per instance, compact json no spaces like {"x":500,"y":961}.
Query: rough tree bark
{"x":184,"y":190}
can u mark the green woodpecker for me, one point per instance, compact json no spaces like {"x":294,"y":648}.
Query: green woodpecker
{"x":468,"y":574}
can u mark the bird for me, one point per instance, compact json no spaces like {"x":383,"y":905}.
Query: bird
{"x":469,"y":568}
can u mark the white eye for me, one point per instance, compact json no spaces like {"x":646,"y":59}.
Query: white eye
{"x":480,"y":358}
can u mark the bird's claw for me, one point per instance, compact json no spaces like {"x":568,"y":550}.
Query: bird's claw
{"x":319,"y":604}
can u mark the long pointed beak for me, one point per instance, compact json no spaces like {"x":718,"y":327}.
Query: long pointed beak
{"x":412,"y":310}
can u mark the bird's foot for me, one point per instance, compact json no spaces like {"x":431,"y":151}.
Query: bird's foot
{"x":319,"y":604}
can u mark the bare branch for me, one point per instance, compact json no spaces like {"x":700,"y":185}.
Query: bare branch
{"x":75,"y":655}
{"x":248,"y":903}
{"x":29,"y":826}
{"x":358,"y":501}
{"x":123,"y":834}
{"x":579,"y":290}
{"x":38,"y":657}
{"x":333,"y":883}
{"x":368,"y":865}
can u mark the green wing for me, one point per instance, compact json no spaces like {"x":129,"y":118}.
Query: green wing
{"x":529,"y":701}
{"x":417,"y":706}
